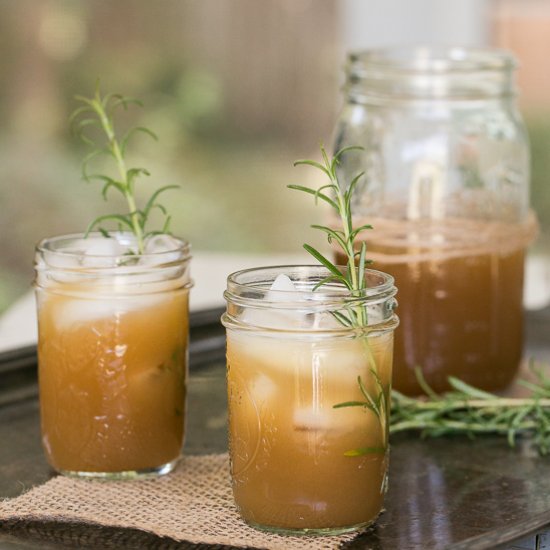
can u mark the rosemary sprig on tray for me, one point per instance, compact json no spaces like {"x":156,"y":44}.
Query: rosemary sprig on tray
{"x":470,"y":411}
{"x":98,"y":111}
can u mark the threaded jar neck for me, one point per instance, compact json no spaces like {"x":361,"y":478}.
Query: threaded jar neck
{"x":429,"y":73}
{"x":82,"y":264}
{"x":253,"y":304}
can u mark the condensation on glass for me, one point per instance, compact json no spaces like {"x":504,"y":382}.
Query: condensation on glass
{"x":298,"y":464}
{"x":446,"y":187}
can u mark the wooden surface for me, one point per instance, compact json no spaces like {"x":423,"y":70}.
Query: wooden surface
{"x":446,"y":493}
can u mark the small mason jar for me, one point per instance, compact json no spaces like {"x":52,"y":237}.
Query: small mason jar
{"x":308,"y":393}
{"x":446,"y":188}
{"x":112,"y":353}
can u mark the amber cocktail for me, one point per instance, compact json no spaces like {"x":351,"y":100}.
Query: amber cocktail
{"x":304,"y":459}
{"x":460,"y":299}
{"x":112,"y":353}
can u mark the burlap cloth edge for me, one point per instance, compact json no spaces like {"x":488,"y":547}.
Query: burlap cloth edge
{"x":193,"y":504}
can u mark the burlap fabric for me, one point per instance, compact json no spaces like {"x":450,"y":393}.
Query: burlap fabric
{"x":193,"y":504}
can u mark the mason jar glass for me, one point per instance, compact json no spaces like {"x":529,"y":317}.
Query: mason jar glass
{"x":446,"y":188}
{"x":112,"y":354}
{"x":309,"y":398}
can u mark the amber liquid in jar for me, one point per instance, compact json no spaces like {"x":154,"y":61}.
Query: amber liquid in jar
{"x":461,"y":312}
{"x":112,"y":380}
{"x":288,"y":442}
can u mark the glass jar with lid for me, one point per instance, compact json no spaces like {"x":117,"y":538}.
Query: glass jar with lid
{"x":446,"y":188}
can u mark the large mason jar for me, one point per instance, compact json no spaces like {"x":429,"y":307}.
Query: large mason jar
{"x":446,"y":188}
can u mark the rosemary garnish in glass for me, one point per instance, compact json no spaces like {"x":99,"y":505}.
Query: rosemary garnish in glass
{"x":353,"y":277}
{"x":98,"y":111}
{"x":465,"y":410}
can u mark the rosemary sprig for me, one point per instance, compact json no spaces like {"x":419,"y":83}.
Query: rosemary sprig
{"x":352,"y":277}
{"x":465,"y":410}
{"x":98,"y":111}
{"x":470,"y":411}
{"x":339,"y":198}
{"x":378,"y":405}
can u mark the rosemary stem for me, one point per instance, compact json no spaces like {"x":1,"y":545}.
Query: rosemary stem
{"x":496,"y":403}
{"x":99,"y":112}
{"x":376,"y":399}
{"x":349,"y":250}
{"x":457,"y":425}
{"x":121,"y":165}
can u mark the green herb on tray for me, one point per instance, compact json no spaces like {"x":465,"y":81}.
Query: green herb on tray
{"x":470,"y":411}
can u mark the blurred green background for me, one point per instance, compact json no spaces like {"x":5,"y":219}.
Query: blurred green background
{"x":236,"y":91}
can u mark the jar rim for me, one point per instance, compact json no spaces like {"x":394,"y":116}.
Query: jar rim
{"x":249,"y":296}
{"x":428,"y":59}
{"x":259,"y":280}
{"x":71,"y":246}
{"x":62,"y":266}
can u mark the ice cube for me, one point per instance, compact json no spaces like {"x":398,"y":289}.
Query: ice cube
{"x":282,"y":282}
{"x":308,"y":419}
{"x":91,"y":252}
{"x":282,"y":290}
{"x":69,"y":313}
{"x":262,"y":388}
{"x":102,"y":252}
{"x":82,"y":253}
{"x":306,"y":358}
{"x":161,"y":243}
{"x":161,"y":249}
{"x":327,"y":419}
{"x":326,"y":321}
{"x":104,"y":247}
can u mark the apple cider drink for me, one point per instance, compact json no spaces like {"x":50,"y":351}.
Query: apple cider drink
{"x":446,"y":190}
{"x":461,"y":289}
{"x":309,"y":449}
{"x":112,"y":352}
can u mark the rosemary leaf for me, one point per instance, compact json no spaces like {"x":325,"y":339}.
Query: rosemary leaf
{"x":353,"y":277}
{"x":470,"y":411}
{"x":98,"y":111}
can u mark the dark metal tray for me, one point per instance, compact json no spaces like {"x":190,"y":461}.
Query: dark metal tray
{"x":451,"y":493}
